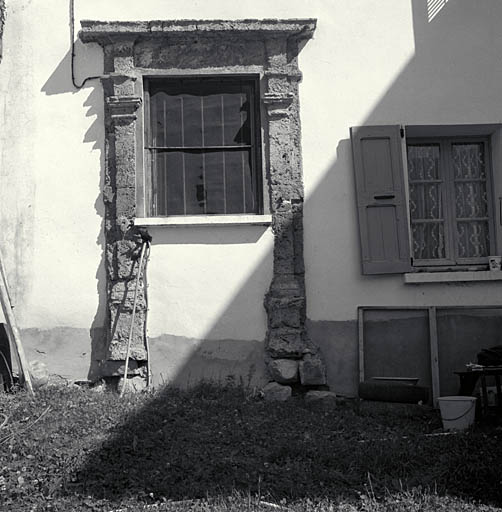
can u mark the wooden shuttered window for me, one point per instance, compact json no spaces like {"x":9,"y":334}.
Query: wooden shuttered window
{"x":381,"y":199}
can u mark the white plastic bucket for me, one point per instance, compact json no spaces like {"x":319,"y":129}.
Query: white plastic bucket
{"x":457,"y":412}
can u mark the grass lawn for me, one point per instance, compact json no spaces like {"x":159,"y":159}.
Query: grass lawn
{"x":221,"y":449}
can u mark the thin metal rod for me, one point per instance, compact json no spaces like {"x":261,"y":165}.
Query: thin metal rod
{"x":145,"y":331}
{"x":200,"y":148}
{"x":203,"y":154}
{"x":223,"y":155}
{"x":129,"y":341}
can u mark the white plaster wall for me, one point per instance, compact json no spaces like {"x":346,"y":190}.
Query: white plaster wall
{"x":50,"y":173}
{"x":370,"y":62}
{"x":209,"y":283}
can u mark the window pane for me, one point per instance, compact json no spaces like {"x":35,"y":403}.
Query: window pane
{"x":192,"y":120}
{"x":249,"y":180}
{"x":168,"y":189}
{"x":473,"y":239}
{"x":196,"y":182}
{"x":426,"y":190}
{"x":200,"y":114}
{"x":426,"y":201}
{"x":195,"y":192}
{"x":165,"y":120}
{"x":235,"y":118}
{"x":213,"y":120}
{"x":471,"y":199}
{"x":236,"y":169}
{"x":428,"y":241}
{"x":468,"y":160}
{"x":158,"y":181}
{"x":215,"y":182}
{"x":423,"y":162}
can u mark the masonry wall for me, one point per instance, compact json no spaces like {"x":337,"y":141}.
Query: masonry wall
{"x":370,"y":62}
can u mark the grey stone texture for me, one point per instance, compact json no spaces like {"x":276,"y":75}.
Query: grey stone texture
{"x":312,"y":371}
{"x":123,"y":240}
{"x":269,"y":47}
{"x":103,"y":32}
{"x":286,"y":342}
{"x":274,"y":392}
{"x":283,"y":371}
{"x":134,"y":384}
{"x":117,"y":368}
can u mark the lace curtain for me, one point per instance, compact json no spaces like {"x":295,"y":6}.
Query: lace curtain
{"x":448,"y":201}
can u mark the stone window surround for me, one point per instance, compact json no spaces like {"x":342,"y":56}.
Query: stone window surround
{"x":268,"y":48}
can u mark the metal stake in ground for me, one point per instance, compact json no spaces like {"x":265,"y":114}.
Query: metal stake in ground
{"x":12,"y":330}
{"x":128,"y":354}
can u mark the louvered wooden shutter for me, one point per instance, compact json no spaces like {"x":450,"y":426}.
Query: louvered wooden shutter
{"x":381,"y":199}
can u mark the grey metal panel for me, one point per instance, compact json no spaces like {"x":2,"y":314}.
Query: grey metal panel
{"x":381,"y":199}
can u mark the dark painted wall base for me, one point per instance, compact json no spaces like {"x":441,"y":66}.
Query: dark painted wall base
{"x":397,"y":345}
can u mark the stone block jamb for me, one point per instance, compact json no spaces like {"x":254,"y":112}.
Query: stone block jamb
{"x":134,"y":50}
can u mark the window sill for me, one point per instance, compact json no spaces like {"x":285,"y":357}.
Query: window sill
{"x":452,"y":277}
{"x":205,"y":220}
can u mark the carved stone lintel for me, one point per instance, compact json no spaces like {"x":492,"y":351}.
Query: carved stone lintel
{"x":104,"y":32}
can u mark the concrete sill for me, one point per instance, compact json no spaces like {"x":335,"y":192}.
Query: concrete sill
{"x":452,"y":277}
{"x":205,"y":220}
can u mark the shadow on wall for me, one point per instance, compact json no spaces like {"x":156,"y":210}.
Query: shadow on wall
{"x":57,"y":340}
{"x":183,"y":361}
{"x":438,"y":64}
